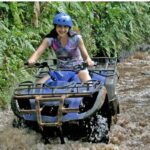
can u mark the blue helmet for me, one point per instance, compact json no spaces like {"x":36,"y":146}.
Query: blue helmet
{"x":62,"y":19}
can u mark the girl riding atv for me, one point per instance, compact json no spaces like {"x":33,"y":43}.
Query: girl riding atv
{"x":67,"y":45}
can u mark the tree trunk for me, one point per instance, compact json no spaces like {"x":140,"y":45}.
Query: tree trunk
{"x":36,"y":14}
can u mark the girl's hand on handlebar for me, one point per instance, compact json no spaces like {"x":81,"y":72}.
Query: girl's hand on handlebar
{"x":31,"y":62}
{"x":90,"y":62}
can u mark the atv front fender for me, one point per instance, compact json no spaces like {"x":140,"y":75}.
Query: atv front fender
{"x":96,"y":107}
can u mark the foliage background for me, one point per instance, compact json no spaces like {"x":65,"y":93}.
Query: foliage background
{"x":108,"y":29}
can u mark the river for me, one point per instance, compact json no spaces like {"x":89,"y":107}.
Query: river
{"x":131,"y":132}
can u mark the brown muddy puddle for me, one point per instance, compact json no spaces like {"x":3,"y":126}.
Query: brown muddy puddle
{"x":132,"y":131}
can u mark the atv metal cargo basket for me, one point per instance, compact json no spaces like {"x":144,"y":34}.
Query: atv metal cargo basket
{"x":57,"y":88}
{"x":58,"y":94}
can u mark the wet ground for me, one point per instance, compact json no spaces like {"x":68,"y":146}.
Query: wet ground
{"x":132,"y":131}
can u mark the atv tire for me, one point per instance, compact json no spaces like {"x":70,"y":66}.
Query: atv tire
{"x":98,"y":129}
{"x":15,"y":109}
{"x":18,"y":123}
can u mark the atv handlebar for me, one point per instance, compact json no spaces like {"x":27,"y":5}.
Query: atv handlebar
{"x":81,"y":66}
{"x":39,"y":65}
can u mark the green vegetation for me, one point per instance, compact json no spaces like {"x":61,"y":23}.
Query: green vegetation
{"x":108,"y":28}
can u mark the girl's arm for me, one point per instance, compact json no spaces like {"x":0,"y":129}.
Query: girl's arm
{"x":35,"y":56}
{"x":84,"y":53}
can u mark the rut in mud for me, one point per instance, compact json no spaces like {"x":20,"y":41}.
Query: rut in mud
{"x":132,"y":131}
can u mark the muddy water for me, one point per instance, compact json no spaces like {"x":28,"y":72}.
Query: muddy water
{"x":132,"y":131}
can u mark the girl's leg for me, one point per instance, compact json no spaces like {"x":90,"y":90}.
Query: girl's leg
{"x":43,"y":80}
{"x":84,"y":75}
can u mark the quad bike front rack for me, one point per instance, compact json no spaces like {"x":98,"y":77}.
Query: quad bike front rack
{"x":53,"y":93}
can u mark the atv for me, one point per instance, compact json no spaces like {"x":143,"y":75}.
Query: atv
{"x":63,"y":105}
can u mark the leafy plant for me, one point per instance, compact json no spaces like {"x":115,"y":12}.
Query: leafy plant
{"x":108,"y":29}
